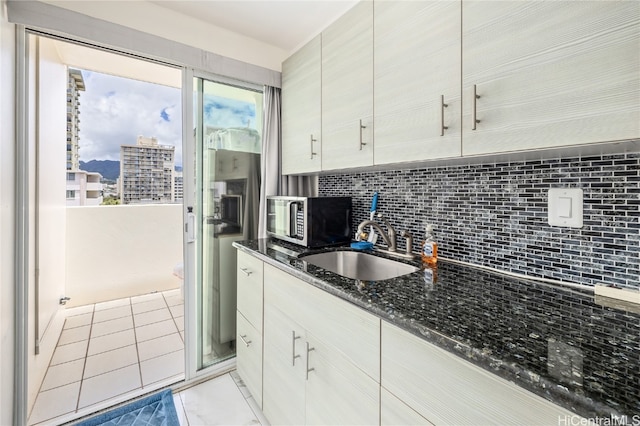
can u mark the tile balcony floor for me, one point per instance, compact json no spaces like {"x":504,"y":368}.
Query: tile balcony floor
{"x":112,"y":351}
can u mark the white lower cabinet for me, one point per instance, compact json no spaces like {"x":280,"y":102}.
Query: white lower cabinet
{"x":312,"y":373}
{"x":395,"y":412}
{"x":283,"y":379}
{"x":446,"y":389}
{"x":338,"y":392}
{"x":309,"y":357}
{"x":249,"y":356}
{"x":249,"y":323}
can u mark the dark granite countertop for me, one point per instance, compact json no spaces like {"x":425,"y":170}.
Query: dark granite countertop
{"x":556,"y":341}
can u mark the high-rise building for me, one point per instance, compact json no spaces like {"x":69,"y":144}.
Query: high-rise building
{"x":84,"y":188}
{"x":146,"y":172}
{"x":75,"y":85}
{"x":178,"y":187}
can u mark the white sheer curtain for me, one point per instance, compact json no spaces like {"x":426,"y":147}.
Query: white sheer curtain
{"x":306,"y":186}
{"x":270,"y":159}
{"x":272,"y":182}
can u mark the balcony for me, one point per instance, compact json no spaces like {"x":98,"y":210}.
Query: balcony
{"x":124,"y":329}
{"x":94,"y":186}
{"x":122,"y":251}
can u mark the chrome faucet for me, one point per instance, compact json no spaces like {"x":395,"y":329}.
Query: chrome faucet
{"x":389,"y":237}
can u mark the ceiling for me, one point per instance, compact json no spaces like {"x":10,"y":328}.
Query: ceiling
{"x":286,"y":24}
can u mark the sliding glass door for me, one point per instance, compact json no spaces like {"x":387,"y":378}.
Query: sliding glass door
{"x":227,"y":127}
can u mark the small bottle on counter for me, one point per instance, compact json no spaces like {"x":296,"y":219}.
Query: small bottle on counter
{"x":430,"y":248}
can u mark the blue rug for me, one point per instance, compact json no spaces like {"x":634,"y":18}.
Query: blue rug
{"x":154,"y":410}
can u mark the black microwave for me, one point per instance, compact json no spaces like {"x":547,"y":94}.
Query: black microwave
{"x":310,"y":221}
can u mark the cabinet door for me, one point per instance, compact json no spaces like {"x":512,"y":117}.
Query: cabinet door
{"x":395,"y":412}
{"x":446,"y":389}
{"x":549,"y":74}
{"x":301,"y":128}
{"x":284,"y":370}
{"x":231,"y":165}
{"x":347,"y":90}
{"x":337,"y":392}
{"x":417,"y":72}
{"x":250,"y":289}
{"x":352,"y":331}
{"x":249,"y":356}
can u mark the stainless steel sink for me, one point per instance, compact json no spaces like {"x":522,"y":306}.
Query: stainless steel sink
{"x":359,"y":265}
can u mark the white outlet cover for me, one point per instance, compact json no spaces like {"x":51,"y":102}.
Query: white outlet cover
{"x":565,"y":207}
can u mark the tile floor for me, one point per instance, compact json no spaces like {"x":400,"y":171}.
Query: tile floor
{"x":111,"y":349}
{"x":221,"y":401}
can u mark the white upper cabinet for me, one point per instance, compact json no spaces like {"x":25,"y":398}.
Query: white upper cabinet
{"x":416,"y":80}
{"x":301,"y":120}
{"x":549,"y":74}
{"x":347,"y":90}
{"x":461,"y":78}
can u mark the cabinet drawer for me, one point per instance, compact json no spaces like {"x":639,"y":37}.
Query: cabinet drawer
{"x":250,"y":289}
{"x":351,"y":330}
{"x":249,"y":356}
{"x":446,"y":389}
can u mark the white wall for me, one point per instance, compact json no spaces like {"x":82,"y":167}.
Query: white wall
{"x":153,"y":19}
{"x":121,"y":251}
{"x":7,"y":226}
{"x":52,"y":113}
{"x":48,"y":103}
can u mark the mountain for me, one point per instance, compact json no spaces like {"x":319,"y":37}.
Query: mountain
{"x":109,"y":169}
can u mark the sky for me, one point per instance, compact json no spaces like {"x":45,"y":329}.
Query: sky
{"x":114,"y":111}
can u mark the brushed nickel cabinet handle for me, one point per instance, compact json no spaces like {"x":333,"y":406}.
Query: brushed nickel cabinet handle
{"x":246,"y":271}
{"x":244,"y":340}
{"x":309,"y":370}
{"x":293,"y":348}
{"x":312,"y":141}
{"x":361,"y":127}
{"x":442,"y":107}
{"x":474,"y":108}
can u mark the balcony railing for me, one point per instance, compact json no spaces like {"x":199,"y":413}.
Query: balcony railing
{"x":121,"y":251}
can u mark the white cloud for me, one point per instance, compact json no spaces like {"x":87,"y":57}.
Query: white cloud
{"x":114,"y":111}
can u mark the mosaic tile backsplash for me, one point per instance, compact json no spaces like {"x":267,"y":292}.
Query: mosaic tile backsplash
{"x":496,"y":214}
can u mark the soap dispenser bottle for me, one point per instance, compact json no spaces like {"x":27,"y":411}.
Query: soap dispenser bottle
{"x":430,"y":248}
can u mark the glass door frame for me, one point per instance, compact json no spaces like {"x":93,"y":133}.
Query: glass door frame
{"x":191,"y":164}
{"x":22,"y":206}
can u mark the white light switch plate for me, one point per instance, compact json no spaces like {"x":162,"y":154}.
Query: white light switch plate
{"x":565,"y":207}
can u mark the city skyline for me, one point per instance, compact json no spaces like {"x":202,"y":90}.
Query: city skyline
{"x":114,"y":111}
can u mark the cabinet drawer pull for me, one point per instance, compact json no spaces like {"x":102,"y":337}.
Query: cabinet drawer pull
{"x":293,"y":348}
{"x":309,"y":370}
{"x":312,"y":141}
{"x":474,"y":108}
{"x":442,"y":107}
{"x":246,"y":271}
{"x":361,"y":127}
{"x":244,"y":340}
